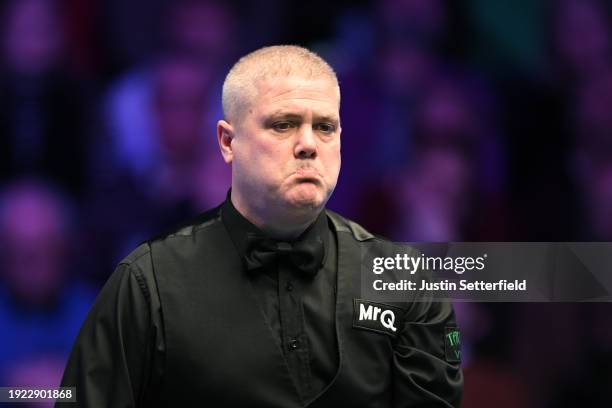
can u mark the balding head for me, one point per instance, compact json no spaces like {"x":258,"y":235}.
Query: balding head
{"x":240,"y":88}
{"x":281,"y":135}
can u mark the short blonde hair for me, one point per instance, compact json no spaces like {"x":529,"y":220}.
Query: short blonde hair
{"x":240,"y":85}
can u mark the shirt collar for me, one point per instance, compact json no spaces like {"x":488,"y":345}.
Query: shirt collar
{"x":238,"y":227}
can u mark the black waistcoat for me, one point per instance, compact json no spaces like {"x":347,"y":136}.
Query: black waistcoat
{"x":219,"y":348}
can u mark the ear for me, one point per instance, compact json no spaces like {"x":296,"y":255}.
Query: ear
{"x":225,"y":137}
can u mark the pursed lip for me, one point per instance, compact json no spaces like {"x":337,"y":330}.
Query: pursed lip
{"x":307,"y":175}
{"x":307,"y":172}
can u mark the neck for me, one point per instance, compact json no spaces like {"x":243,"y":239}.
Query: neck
{"x":285,"y":225}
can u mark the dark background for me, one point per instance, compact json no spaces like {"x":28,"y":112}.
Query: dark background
{"x":470,"y":120}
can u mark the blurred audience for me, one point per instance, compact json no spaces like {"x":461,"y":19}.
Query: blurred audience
{"x":490,"y":378}
{"x":162,"y":165}
{"x":435,"y":193}
{"x":42,"y":302}
{"x":43,"y":106}
{"x":581,"y":38}
{"x":156,"y":160}
{"x":462,"y":121}
{"x":592,"y":158}
{"x":43,"y":373}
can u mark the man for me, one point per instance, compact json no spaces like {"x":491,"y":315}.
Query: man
{"x":254,"y":303}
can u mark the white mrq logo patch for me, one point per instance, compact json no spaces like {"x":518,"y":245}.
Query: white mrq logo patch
{"x":376,"y":317}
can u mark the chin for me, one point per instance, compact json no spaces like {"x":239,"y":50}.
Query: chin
{"x":305,"y":203}
{"x":307,"y":199}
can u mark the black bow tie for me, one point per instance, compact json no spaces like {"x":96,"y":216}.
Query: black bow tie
{"x":305,"y":255}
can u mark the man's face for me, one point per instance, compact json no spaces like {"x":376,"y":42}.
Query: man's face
{"x":286,"y":149}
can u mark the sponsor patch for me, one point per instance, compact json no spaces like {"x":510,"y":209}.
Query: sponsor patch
{"x":377,"y":317}
{"x":452,"y":344}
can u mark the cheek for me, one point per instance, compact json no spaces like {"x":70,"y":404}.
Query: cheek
{"x":332,"y":160}
{"x":260,"y":159}
{"x":332,"y":153}
{"x":261,"y":148}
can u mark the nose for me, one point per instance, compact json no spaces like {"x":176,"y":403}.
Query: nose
{"x":306,"y":145}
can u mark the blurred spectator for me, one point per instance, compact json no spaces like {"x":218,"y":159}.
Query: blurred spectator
{"x":42,"y":304}
{"x":205,"y":29}
{"x":405,"y":73}
{"x":581,"y":38}
{"x":490,"y":384}
{"x":135,"y":31}
{"x":434,"y":195}
{"x":410,"y":34}
{"x":157,"y":160}
{"x":159,"y":133}
{"x":593,"y":157}
{"x":536,"y":113}
{"x":546,"y":360}
{"x":43,"y":373}
{"x":594,"y":99}
{"x":42,"y":108}
{"x":384,"y":95}
{"x":410,"y":37}
{"x":439,"y":193}
{"x":424,"y":21}
{"x":161,"y":163}
{"x":490,"y":380}
{"x":142,"y":104}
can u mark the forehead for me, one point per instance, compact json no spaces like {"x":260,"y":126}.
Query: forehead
{"x":294,"y":93}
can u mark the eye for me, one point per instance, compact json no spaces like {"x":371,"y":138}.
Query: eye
{"x":325,"y":127}
{"x":282,"y":126}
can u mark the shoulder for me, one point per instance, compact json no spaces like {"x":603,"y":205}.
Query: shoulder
{"x":364,"y":237}
{"x":192,"y":226}
{"x":345,"y":225}
{"x":140,"y":260}
{"x":352,"y":228}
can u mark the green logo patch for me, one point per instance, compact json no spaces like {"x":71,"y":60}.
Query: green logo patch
{"x":452,"y":344}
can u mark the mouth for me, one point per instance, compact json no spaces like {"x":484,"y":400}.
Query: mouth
{"x":306,"y":175}
{"x":307,"y":172}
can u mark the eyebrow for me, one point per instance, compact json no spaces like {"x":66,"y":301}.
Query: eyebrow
{"x":283,"y":114}
{"x":331,"y":119}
